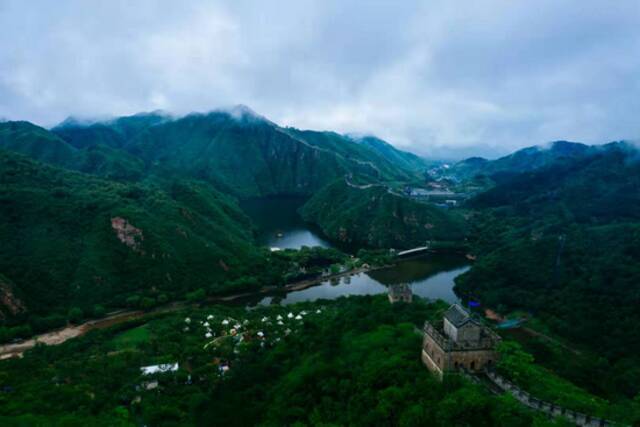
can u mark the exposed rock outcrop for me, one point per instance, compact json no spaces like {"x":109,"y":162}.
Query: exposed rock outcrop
{"x":127,"y":233}
{"x":9,"y":303}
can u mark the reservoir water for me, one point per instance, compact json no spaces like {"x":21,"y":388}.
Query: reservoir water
{"x":279,"y":225}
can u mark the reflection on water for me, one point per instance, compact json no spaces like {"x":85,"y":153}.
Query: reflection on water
{"x":279,"y":224}
{"x":430,"y":276}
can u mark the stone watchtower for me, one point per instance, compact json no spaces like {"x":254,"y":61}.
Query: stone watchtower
{"x":461,"y":343}
{"x":400,"y":293}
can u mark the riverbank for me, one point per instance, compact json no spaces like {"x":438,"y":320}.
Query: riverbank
{"x":59,"y":336}
{"x":412,"y":271}
{"x":295,"y":286}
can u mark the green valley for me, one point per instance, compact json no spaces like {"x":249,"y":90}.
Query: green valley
{"x":143,"y":213}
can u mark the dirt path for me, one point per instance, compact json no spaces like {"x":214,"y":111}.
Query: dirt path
{"x":61,"y":335}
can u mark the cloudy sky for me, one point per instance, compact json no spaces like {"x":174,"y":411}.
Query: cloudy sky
{"x":442,"y":78}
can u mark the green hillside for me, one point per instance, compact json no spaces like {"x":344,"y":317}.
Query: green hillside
{"x":37,"y":143}
{"x":600,"y":187}
{"x":81,"y":136}
{"x":114,"y":133}
{"x":243,"y":152}
{"x":406,"y":160}
{"x":251,"y":156}
{"x":352,"y":362}
{"x":71,"y":239}
{"x":168,"y":182}
{"x":99,"y":157}
{"x":369,"y":155}
{"x":236,"y":150}
{"x":373,"y":216}
{"x":563,"y":244}
{"x":524,"y":160}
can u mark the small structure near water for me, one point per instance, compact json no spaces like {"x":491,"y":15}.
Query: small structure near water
{"x":400,"y":293}
{"x":159,"y":369}
{"x":461,"y":343}
{"x":412,"y":252}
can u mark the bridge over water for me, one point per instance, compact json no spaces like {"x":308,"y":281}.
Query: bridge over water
{"x":414,"y":251}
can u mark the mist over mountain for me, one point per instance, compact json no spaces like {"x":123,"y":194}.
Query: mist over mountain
{"x":143,"y":213}
{"x":319,"y":213}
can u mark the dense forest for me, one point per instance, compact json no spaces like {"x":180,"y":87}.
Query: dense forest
{"x":73,"y":239}
{"x":562,"y":244}
{"x":375,"y":216}
{"x":352,"y":361}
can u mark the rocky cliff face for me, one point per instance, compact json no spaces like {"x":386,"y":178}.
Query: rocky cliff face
{"x":9,"y":303}
{"x":128,"y":234}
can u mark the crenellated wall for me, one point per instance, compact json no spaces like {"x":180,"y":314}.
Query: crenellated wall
{"x":548,"y":408}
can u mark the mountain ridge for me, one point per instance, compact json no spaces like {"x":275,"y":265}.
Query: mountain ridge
{"x":236,"y":149}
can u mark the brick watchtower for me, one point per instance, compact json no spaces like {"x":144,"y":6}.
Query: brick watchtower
{"x":462,"y":343}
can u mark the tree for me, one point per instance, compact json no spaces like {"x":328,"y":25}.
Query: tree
{"x":133,"y":301}
{"x":75,"y":315}
{"x":196,"y":296}
{"x":146,"y":303}
{"x":99,"y":311}
{"x":514,"y":361}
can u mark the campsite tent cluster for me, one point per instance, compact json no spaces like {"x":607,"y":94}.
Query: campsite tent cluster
{"x":226,"y":337}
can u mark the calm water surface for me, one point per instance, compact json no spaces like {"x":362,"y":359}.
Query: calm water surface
{"x":430,"y":276}
{"x":279,"y":224}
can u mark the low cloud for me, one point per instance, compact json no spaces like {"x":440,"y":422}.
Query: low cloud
{"x":433,"y":77}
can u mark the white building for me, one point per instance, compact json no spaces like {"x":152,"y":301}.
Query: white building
{"x":159,"y":369}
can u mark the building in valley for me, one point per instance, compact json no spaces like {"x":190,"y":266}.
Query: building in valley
{"x":400,"y":293}
{"x":461,"y":343}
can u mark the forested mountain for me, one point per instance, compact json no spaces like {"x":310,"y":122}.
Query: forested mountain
{"x":523,"y":160}
{"x":237,"y":150}
{"x":153,"y":211}
{"x":373,"y":215}
{"x":562,"y":243}
{"x":408,"y":161}
{"x":601,"y":186}
{"x":247,"y":155}
{"x":98,"y":157}
{"x":73,"y":239}
{"x":114,"y":133}
{"x":242,"y":152}
{"x":36,"y":142}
